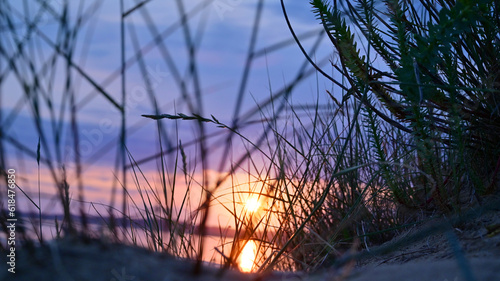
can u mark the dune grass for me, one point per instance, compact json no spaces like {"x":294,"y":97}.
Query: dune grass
{"x":410,"y":131}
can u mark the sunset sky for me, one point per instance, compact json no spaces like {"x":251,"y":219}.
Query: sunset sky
{"x":222,"y":31}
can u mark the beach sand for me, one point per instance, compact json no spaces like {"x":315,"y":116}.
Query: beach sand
{"x":468,"y":251}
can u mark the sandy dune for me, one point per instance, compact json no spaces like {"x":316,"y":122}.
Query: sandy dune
{"x":470,"y":250}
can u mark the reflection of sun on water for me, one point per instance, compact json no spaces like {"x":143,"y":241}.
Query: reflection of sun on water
{"x":247,"y":257}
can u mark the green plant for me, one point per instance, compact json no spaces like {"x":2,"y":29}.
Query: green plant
{"x":438,"y":82}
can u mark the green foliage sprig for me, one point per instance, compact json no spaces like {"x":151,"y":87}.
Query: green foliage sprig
{"x":441,"y":73}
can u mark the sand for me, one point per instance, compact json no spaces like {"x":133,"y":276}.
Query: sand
{"x":468,"y":250}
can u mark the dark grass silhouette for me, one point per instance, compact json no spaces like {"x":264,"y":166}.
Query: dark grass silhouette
{"x":410,"y":140}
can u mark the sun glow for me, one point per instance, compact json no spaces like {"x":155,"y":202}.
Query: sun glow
{"x":252,"y":204}
{"x":247,"y":256}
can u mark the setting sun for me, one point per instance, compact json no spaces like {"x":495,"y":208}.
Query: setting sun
{"x":252,"y":204}
{"x":247,"y":257}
